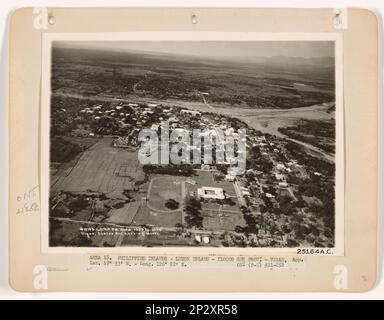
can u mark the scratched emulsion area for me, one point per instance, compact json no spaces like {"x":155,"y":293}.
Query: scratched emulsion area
{"x":101,"y":168}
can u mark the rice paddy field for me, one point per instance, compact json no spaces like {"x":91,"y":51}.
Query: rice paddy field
{"x":101,"y":168}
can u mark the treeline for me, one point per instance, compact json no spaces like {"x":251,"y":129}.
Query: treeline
{"x":321,"y":187}
{"x":193,"y":217}
{"x":290,"y":100}
{"x":299,"y":153}
{"x":169,"y":169}
{"x":315,"y":128}
{"x":312,"y":140}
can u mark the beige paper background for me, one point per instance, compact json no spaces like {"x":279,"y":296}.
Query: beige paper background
{"x":68,"y":271}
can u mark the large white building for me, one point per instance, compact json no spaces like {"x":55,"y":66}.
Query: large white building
{"x":210,"y":193}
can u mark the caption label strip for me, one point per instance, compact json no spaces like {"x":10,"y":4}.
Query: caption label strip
{"x":174,"y":261}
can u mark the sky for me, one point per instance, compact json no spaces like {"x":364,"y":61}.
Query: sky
{"x":301,"y":49}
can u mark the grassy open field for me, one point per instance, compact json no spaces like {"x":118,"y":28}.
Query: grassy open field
{"x":162,"y":188}
{"x":165,"y":238}
{"x":153,"y":210}
{"x":147,"y":216}
{"x":124,"y":215}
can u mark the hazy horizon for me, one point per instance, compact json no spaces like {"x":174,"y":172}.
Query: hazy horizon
{"x":213,"y":49}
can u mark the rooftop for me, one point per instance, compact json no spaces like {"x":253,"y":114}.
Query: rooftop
{"x":210,"y":193}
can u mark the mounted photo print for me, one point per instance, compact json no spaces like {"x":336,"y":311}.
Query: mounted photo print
{"x":242,"y":132}
{"x":166,"y":153}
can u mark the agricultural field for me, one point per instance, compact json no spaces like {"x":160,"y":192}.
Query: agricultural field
{"x":101,"y":168}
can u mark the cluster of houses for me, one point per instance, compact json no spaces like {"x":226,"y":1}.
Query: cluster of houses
{"x":131,"y":116}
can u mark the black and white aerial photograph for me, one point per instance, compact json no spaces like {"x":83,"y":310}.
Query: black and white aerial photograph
{"x":192,"y":144}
